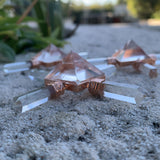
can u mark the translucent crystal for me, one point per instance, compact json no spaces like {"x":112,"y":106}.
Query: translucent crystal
{"x":97,"y":60}
{"x":75,"y":73}
{"x":16,"y":67}
{"x":74,"y":69}
{"x":149,"y":70}
{"x":33,"y":99}
{"x":83,"y":54}
{"x":157,"y":62}
{"x":101,"y":64}
{"x":124,"y":85}
{"x":48,"y":57}
{"x":130,"y":55}
{"x":127,"y":90}
{"x":120,"y":97}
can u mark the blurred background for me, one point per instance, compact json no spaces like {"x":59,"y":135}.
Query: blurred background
{"x":31,"y":25}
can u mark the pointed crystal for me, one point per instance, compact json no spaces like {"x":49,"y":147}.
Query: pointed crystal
{"x":123,"y":85}
{"x":149,"y":70}
{"x":73,"y":73}
{"x":48,"y":57}
{"x":33,"y":99}
{"x":101,"y":64}
{"x":131,"y":54}
{"x":120,"y":97}
{"x":83,"y":54}
{"x":131,"y":90}
{"x":16,"y":67}
{"x":157,"y":62}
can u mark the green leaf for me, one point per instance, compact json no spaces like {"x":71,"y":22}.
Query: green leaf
{"x":7,"y":54}
{"x":2,"y":3}
{"x":55,"y":33}
{"x":8,"y":33}
{"x":24,"y":44}
{"x":13,"y":20}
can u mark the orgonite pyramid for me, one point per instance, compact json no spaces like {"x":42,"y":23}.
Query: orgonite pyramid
{"x":135,"y":56}
{"x":75,"y":74}
{"x":131,"y":54}
{"x":48,"y":57}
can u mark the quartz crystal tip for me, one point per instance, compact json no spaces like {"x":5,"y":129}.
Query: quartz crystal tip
{"x":33,"y":99}
{"x":134,"y":95}
{"x":16,"y":67}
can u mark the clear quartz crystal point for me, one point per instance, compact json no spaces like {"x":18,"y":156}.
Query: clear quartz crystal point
{"x":33,"y":99}
{"x":157,"y":62}
{"x":124,"y":85}
{"x":97,"y":60}
{"x":16,"y":67}
{"x":120,"y":97}
{"x":149,"y":70}
{"x":101,"y":64}
{"x":132,"y":92}
{"x":83,"y":54}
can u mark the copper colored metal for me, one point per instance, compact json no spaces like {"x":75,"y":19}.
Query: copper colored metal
{"x":48,"y":57}
{"x":153,"y":73}
{"x":75,"y":73}
{"x":133,"y":55}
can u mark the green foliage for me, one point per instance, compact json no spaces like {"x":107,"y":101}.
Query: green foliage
{"x":2,"y":3}
{"x":54,"y":17}
{"x":156,"y":15}
{"x":143,"y":8}
{"x":7,"y":54}
{"x":19,"y":38}
{"x":121,"y":1}
{"x":40,"y":15}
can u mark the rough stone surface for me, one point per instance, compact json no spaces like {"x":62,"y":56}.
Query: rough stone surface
{"x":77,"y":126}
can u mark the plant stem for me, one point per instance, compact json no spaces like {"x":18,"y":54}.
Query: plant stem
{"x":27,"y":11}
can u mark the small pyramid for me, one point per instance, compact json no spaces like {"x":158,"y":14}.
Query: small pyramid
{"x":74,"y":69}
{"x":131,"y":52}
{"x":48,"y":56}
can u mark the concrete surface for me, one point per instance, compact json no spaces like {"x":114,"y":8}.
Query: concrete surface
{"x":77,"y":126}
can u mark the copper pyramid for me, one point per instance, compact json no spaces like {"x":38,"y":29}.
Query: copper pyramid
{"x":131,"y":54}
{"x":48,"y":57}
{"x":75,"y":73}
